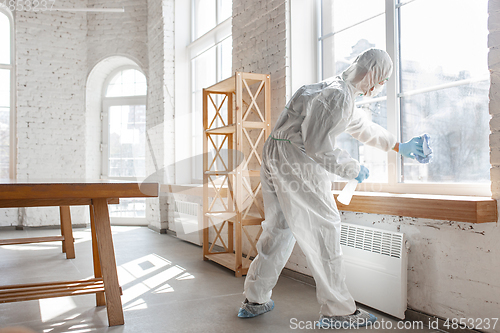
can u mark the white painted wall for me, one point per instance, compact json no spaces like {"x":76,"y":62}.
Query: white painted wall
{"x":113,"y":40}
{"x":260,"y":45}
{"x":160,"y":152}
{"x":51,"y":69}
{"x":58,"y":105}
{"x":118,"y":34}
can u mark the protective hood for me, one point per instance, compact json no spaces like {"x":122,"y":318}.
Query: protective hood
{"x":367,"y":71}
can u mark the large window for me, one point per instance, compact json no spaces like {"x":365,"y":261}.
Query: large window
{"x":7,"y":146}
{"x":440,"y":86}
{"x":211,"y":61}
{"x":124,"y":138}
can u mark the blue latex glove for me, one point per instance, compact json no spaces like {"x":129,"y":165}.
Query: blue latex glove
{"x":363,"y":174}
{"x":412,"y":148}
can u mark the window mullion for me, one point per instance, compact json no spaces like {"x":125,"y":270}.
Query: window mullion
{"x":217,"y":12}
{"x":193,"y":21}
{"x":319,"y":15}
{"x":392,"y":87}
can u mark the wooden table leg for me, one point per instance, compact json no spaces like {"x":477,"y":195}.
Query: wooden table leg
{"x":67,"y":232}
{"x":62,"y":232}
{"x":99,"y":297}
{"x":108,"y":262}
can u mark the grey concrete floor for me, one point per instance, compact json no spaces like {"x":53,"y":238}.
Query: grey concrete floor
{"x":167,"y":287}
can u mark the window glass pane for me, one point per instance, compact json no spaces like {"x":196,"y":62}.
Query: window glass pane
{"x":4,"y":142}
{"x":340,"y":50}
{"x":129,"y":82}
{"x":204,"y":71}
{"x":4,"y":88}
{"x":374,"y":159}
{"x":225,"y":9}
{"x":4,"y":39}
{"x":341,"y":14}
{"x":457,"y":120}
{"x":450,"y":45}
{"x":134,"y":207}
{"x":127,"y":145}
{"x":226,"y":59}
{"x":204,"y":16}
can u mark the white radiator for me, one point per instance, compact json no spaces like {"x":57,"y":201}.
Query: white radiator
{"x":188,"y":222}
{"x":376,"y":262}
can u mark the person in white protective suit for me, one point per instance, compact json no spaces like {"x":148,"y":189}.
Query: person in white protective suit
{"x":299,"y":205}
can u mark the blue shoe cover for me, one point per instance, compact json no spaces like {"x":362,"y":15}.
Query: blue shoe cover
{"x":249,"y":310}
{"x":359,"y":319}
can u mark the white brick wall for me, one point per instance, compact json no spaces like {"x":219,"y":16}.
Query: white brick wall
{"x":51,"y":69}
{"x":111,"y":39}
{"x":58,"y":131}
{"x":160,"y":114}
{"x":122,"y":34}
{"x":260,"y":44}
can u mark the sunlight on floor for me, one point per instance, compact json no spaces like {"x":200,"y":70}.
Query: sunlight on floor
{"x":148,"y":274}
{"x":51,"y":308}
{"x":31,"y":247}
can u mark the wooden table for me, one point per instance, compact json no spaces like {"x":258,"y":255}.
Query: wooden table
{"x":95,"y":194}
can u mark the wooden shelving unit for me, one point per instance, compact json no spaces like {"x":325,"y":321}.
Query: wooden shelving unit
{"x":236,"y":122}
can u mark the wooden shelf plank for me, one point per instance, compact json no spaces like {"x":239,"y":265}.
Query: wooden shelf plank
{"x":230,"y":129}
{"x":224,"y":130}
{"x":255,"y":124}
{"x":438,"y":207}
{"x":55,"y":284}
{"x":26,"y":292}
{"x":228,"y":260}
{"x":251,"y":173}
{"x":248,"y":220}
{"x":16,"y":241}
{"x":226,"y":86}
{"x":222,"y":173}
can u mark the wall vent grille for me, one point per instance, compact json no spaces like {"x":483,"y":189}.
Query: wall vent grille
{"x":382,"y":242}
{"x":188,"y":208}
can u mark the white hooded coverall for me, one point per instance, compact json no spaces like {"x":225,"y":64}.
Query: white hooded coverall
{"x":298,"y":202}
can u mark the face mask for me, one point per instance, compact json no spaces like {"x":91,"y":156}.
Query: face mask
{"x":375,"y":91}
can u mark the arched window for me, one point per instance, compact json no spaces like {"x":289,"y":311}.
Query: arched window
{"x":127,"y":82}
{"x":7,"y":147}
{"x":124,"y":135}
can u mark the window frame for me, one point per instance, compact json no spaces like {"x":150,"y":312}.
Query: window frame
{"x":393,"y":115}
{"x":198,"y":46}
{"x":107,"y":103}
{"x":12,"y":68}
